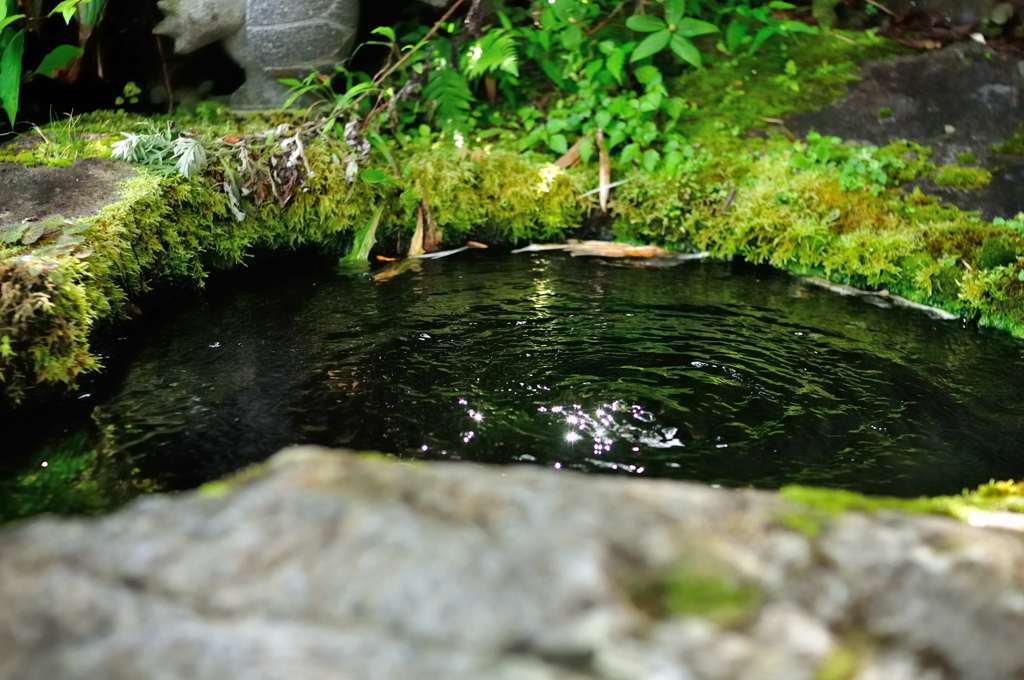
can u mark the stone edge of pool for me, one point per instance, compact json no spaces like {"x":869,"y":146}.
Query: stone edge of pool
{"x":322,"y":563}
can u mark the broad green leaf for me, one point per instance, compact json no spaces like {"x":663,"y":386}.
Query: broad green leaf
{"x":648,"y":75}
{"x":385,"y":31}
{"x":558,"y":143}
{"x":760,"y":37}
{"x":586,"y":149}
{"x":616,"y":65}
{"x":735,"y":35}
{"x":691,"y":28}
{"x":674,"y":107}
{"x":12,"y":233}
{"x":602,"y":119}
{"x":686,"y":50}
{"x":644,"y":23}
{"x":630,"y":152}
{"x":10,"y":75}
{"x":66,"y":8}
{"x":652,"y":44}
{"x":778,"y":4}
{"x":651,"y":158}
{"x":58,"y":59}
{"x":33,"y":233}
{"x":89,"y":12}
{"x":674,"y":10}
{"x":572,"y":37}
{"x":7,"y":21}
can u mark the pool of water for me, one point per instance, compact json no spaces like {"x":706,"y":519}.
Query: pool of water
{"x":716,"y":372}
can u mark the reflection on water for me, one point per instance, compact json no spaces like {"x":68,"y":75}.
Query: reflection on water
{"x":708,"y":371}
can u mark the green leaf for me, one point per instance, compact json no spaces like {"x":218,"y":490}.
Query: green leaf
{"x":450,"y":93}
{"x":572,"y":37}
{"x":616,"y":65}
{"x":735,"y":35}
{"x":691,"y":28}
{"x":650,"y":45}
{"x":648,"y":74}
{"x":33,"y":234}
{"x":10,"y":75}
{"x":558,"y":143}
{"x":778,"y":4}
{"x":58,"y":59}
{"x":630,"y":152}
{"x":602,"y":119}
{"x":586,"y":149}
{"x":650,"y":161}
{"x":12,"y":233}
{"x":674,"y":107}
{"x":674,"y":10}
{"x":385,"y":31}
{"x":66,"y":8}
{"x":7,"y":21}
{"x":686,"y":50}
{"x":644,"y":23}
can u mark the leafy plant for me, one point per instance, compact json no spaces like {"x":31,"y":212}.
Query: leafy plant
{"x":674,"y":32}
{"x":162,"y":147}
{"x":60,"y":58}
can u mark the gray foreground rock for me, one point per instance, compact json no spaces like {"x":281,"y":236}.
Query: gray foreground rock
{"x":330,"y":565}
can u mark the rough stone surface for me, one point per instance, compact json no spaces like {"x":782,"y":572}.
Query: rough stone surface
{"x":962,"y":99}
{"x":328,"y":565}
{"x":74,"y":191}
{"x":268,"y":39}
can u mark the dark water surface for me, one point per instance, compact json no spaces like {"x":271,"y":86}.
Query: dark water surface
{"x":708,"y":371}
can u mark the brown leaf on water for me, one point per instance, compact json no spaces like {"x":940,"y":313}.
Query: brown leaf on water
{"x":570,"y":157}
{"x":385,"y":258}
{"x":613,"y":249}
{"x":604,"y":173}
{"x":476,"y":244}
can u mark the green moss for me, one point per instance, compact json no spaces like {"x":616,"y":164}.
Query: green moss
{"x":713,"y":597}
{"x":732,"y":95}
{"x":701,"y":592}
{"x":885,"y":112}
{"x":962,"y":177}
{"x":844,"y":661}
{"x":966,"y":158}
{"x":1014,"y":144}
{"x":165,"y":229}
{"x":1007,"y":496}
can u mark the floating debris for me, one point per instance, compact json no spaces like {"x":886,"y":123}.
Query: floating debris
{"x":880,"y":296}
{"x":611,"y":249}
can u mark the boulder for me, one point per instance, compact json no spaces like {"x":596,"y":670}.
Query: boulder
{"x":324,"y":564}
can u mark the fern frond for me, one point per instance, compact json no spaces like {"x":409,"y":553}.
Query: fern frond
{"x":450,"y":93}
{"x":496,"y":50}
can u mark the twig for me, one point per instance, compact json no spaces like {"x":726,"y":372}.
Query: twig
{"x":604,"y":22}
{"x":425,"y":39}
{"x":610,"y":186}
{"x":880,"y":6}
{"x":728,"y":201}
{"x":167,"y":75}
